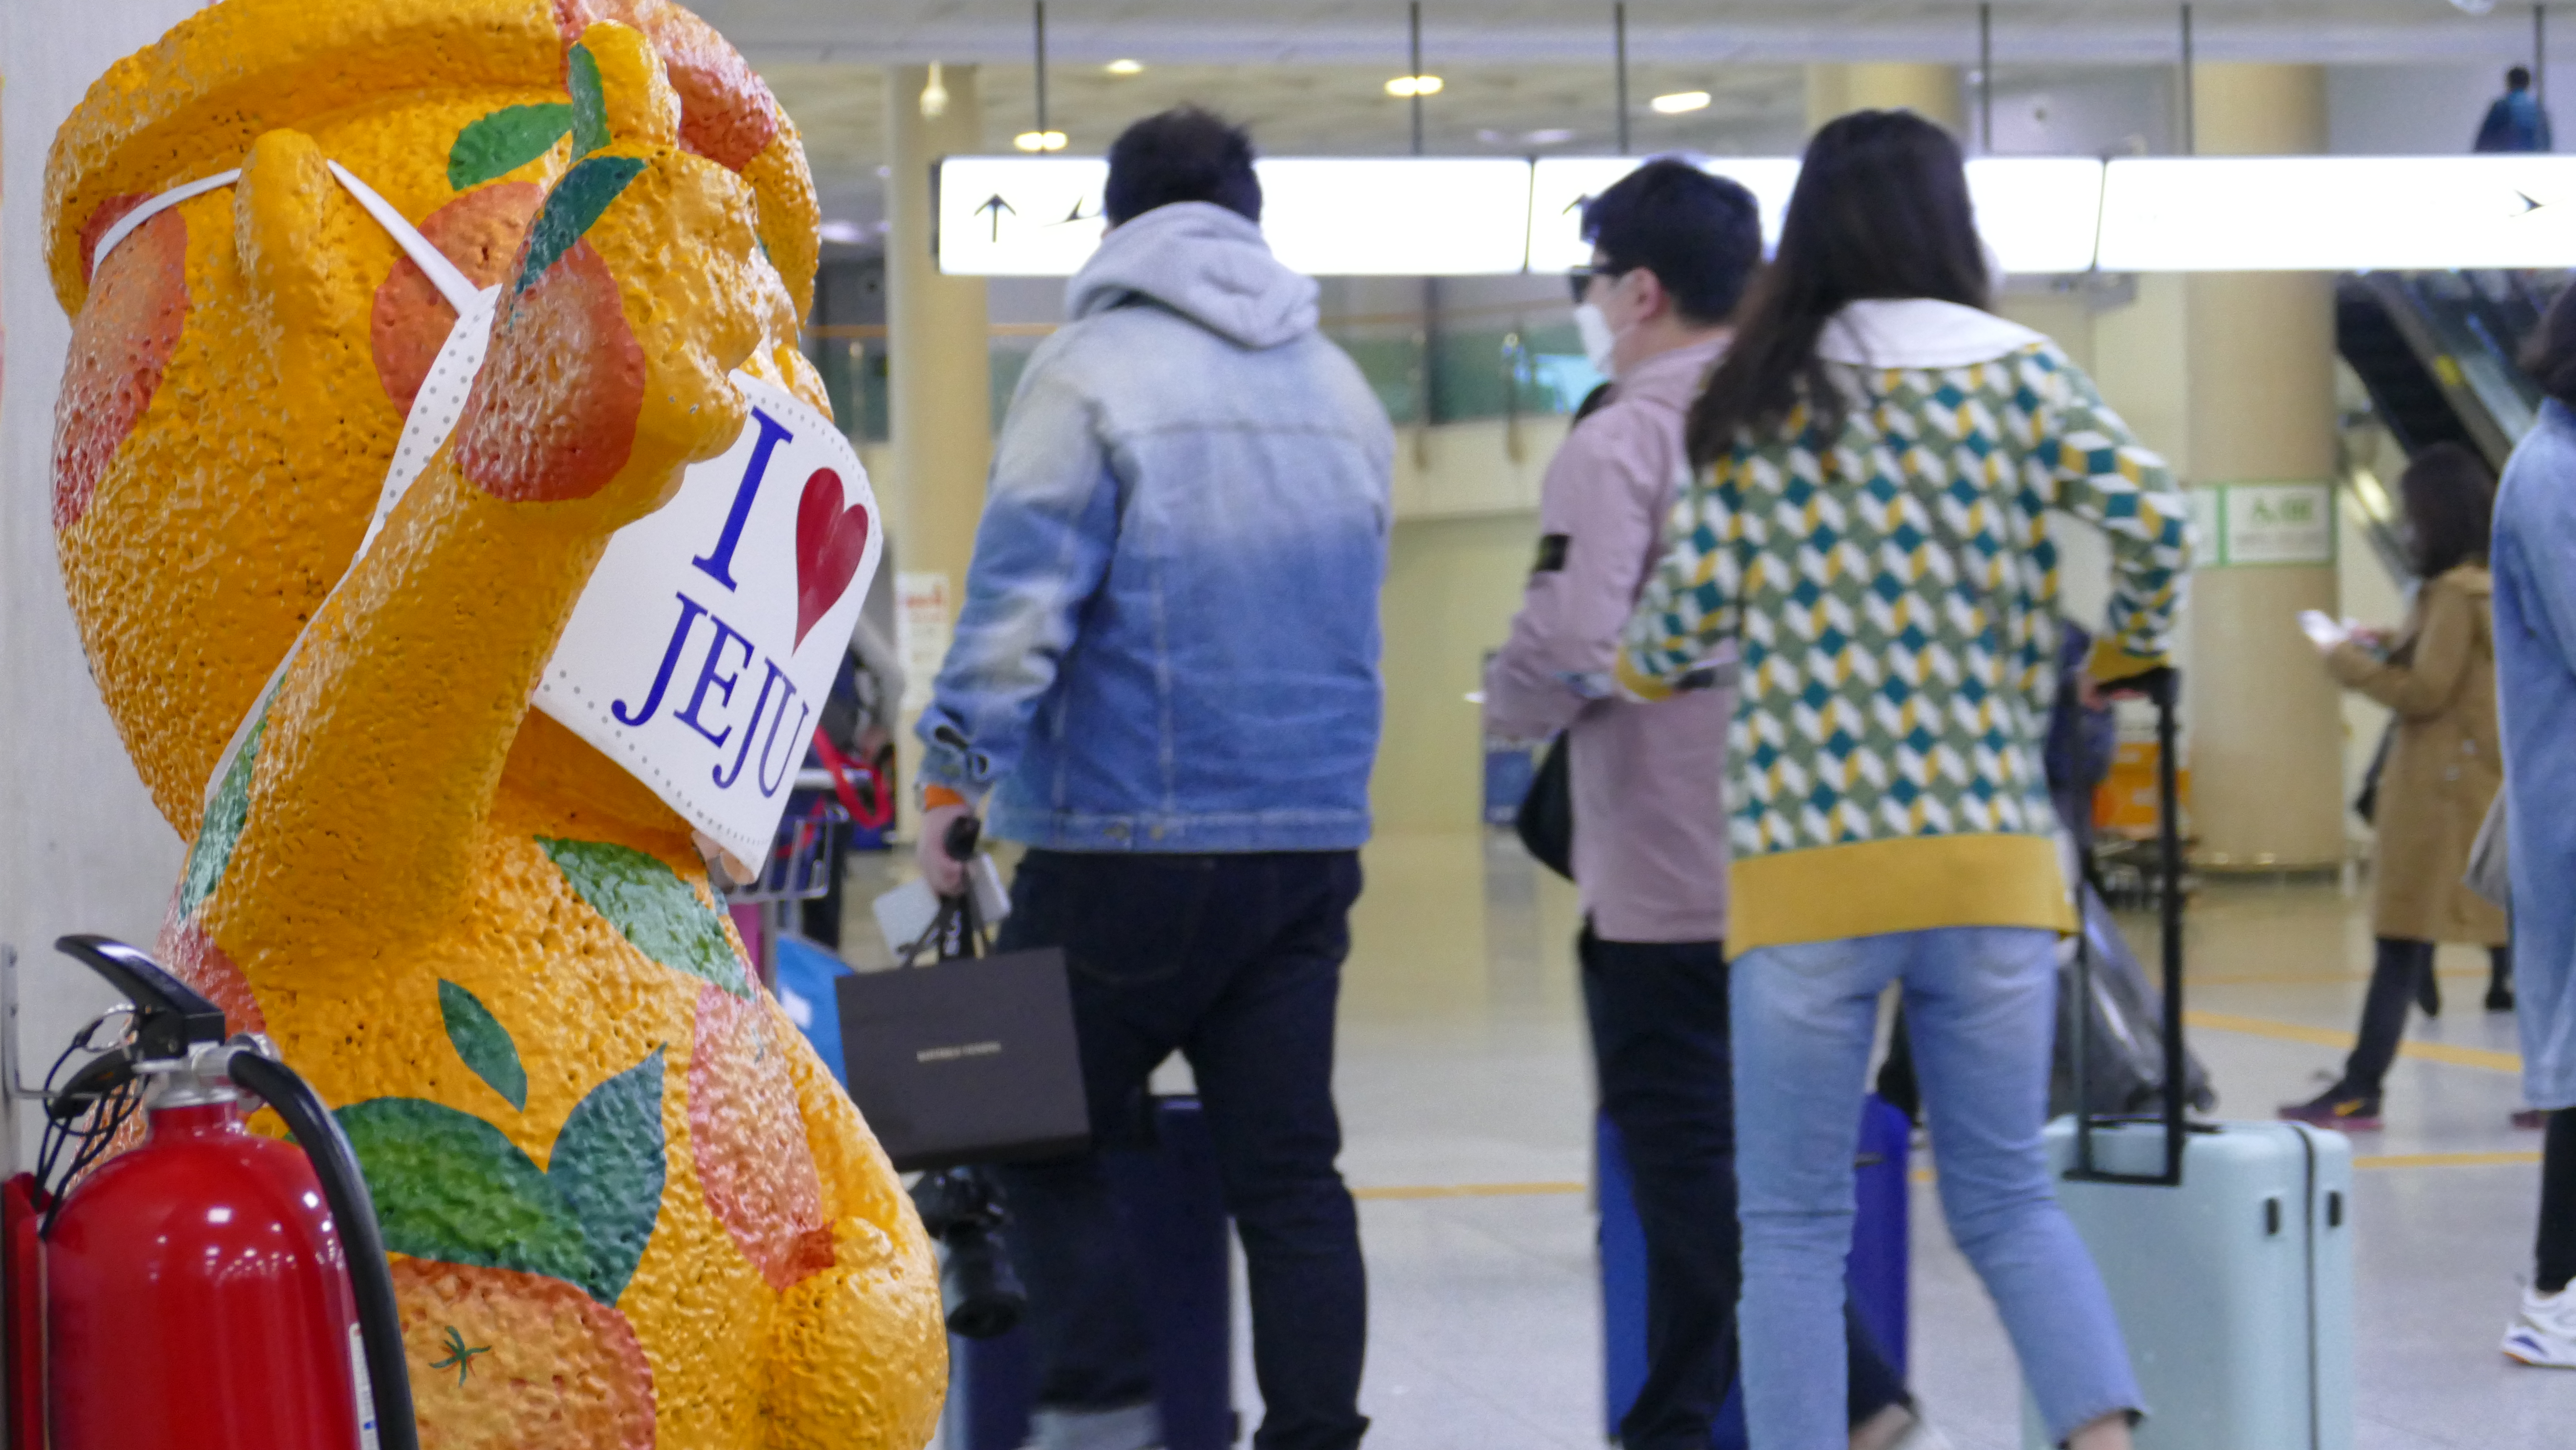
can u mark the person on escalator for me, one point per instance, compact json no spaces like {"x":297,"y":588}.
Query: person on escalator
{"x":2517,"y":121}
{"x":2443,"y":768}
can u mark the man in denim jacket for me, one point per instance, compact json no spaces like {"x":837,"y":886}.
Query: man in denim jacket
{"x":1165,"y":675}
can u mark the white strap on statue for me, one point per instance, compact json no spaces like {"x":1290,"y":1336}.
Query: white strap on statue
{"x":434,"y":411}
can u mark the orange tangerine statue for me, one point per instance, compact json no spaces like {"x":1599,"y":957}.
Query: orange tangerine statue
{"x":630,"y":1207}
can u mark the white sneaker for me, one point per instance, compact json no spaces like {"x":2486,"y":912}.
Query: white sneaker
{"x":2545,"y":1333}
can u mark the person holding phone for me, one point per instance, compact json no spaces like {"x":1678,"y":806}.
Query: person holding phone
{"x":2442,"y":770}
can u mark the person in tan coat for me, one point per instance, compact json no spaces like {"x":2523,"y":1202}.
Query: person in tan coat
{"x":2443,"y":768}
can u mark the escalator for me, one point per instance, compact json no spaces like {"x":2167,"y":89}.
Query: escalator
{"x":2436,"y":351}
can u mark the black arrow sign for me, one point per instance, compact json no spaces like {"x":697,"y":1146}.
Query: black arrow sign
{"x":996,"y":206}
{"x":2528,"y":205}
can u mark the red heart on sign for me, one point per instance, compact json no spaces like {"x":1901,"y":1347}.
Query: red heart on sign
{"x":829,"y":544}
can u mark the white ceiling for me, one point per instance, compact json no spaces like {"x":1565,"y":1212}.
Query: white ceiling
{"x":1553,"y":31}
{"x":1308,"y":75}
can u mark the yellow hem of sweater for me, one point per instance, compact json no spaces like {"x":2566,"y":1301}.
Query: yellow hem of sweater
{"x":1913,"y":883}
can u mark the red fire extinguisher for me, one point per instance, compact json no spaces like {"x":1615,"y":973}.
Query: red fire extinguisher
{"x":209,"y":1288}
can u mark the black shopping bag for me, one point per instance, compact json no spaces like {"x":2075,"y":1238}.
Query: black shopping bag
{"x":967,"y":1059}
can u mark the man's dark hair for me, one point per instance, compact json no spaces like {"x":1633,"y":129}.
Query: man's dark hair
{"x":1183,"y":154}
{"x":2517,"y":79}
{"x":1701,"y":235}
{"x":2449,"y":497}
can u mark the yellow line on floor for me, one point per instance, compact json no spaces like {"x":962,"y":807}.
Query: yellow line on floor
{"x":1469,"y":1190}
{"x":2442,"y":1160}
{"x":1920,"y":1175}
{"x":2486,"y":1058}
{"x":2307,"y":979}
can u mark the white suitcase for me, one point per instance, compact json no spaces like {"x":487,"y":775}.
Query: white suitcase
{"x":2234,"y":1291}
{"x":2230,"y":1262}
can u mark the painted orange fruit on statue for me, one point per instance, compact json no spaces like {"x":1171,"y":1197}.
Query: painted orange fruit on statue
{"x":628,"y":1205}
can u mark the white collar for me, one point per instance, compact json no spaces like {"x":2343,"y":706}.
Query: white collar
{"x":1918,"y":332}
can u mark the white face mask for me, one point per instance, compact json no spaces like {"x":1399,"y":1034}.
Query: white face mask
{"x":1600,"y":342}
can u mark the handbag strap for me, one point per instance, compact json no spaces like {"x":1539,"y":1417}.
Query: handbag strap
{"x":959,"y":922}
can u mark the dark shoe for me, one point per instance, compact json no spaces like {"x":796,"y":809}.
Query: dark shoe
{"x":2337,"y":1109}
{"x":2428,"y":993}
{"x":2531,"y":1118}
{"x":2499,"y":999}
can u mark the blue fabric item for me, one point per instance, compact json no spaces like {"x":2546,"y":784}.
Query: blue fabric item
{"x":1659,"y":1044}
{"x":808,"y":978}
{"x":1169,"y":637}
{"x":2534,"y":559}
{"x":1981,"y":1009}
{"x":2515,"y":122}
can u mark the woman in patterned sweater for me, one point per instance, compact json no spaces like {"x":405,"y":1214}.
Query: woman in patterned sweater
{"x":1876,"y":455}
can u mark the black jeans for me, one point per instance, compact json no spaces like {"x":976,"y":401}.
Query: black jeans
{"x":1234,"y":961}
{"x":2556,"y":1252}
{"x":1660,"y":1045}
{"x":2394,"y":973}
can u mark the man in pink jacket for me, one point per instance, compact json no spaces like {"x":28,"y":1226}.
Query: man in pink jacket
{"x":1673,"y":250}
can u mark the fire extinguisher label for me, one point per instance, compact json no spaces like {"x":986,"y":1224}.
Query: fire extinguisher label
{"x":366,"y":1390}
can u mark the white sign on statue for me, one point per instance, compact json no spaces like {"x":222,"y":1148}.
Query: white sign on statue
{"x":701,"y":652}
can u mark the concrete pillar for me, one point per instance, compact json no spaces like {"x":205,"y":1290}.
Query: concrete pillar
{"x":2266,"y":723}
{"x":1933,"y":91}
{"x":940,"y":383}
{"x":81,"y":846}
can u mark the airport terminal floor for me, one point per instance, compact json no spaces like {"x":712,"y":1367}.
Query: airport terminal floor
{"x":1466,"y":1103}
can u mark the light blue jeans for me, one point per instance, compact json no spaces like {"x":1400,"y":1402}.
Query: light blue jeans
{"x":1981,"y":1005}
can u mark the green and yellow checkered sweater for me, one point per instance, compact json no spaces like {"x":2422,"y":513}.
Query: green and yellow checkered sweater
{"x":1892,"y":593}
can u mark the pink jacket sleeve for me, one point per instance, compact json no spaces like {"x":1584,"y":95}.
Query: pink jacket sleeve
{"x":1601,"y":514}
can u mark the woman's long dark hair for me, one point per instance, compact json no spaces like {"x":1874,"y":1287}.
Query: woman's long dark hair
{"x":1881,"y":210}
{"x":2449,"y":498}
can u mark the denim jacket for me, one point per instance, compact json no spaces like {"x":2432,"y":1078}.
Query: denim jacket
{"x":1169,"y":638}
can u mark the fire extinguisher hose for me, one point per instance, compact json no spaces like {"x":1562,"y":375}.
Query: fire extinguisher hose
{"x":353,"y":1212}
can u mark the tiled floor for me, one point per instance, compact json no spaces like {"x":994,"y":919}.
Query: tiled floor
{"x":1466,"y":1100}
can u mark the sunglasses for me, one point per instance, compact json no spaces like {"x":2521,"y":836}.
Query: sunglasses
{"x":1580,"y":278}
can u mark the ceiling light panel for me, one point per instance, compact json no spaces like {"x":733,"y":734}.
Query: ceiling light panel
{"x":2040,"y":214}
{"x":1434,"y":216}
{"x":1039,"y":216}
{"x":1679,"y":102}
{"x":2338,"y":213}
{"x":1560,"y":185}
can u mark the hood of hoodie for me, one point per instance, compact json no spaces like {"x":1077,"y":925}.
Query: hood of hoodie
{"x":1204,"y":262}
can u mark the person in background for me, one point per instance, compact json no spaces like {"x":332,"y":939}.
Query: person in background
{"x":2443,"y":769}
{"x":2517,"y":121}
{"x":1876,"y":455}
{"x":1165,"y":673}
{"x":1672,"y":250}
{"x":2534,"y":559}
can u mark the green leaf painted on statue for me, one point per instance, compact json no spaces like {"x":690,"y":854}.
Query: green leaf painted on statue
{"x":484,"y":1043}
{"x":576,"y":202}
{"x":221,"y":830}
{"x":649,"y":903}
{"x":609,"y":1164}
{"x":589,"y":103}
{"x":504,"y":141}
{"x":450,"y":1186}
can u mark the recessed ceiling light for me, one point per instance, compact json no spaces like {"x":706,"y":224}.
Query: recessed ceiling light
{"x":1413,"y":86}
{"x":1678,"y":102}
{"x":1125,"y":67}
{"x":1552,"y":136}
{"x":844,"y":232}
{"x":1039,"y":140}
